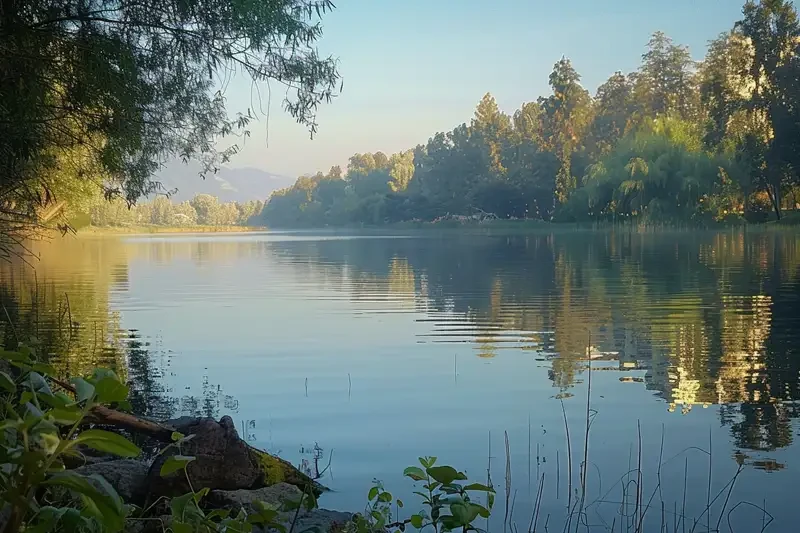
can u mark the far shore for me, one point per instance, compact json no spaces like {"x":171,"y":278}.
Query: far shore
{"x":147,"y":229}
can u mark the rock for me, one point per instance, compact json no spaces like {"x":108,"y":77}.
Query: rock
{"x":127,"y":476}
{"x":222,"y":460}
{"x":276,"y":470}
{"x":322,"y":520}
{"x":149,"y":525}
{"x":236,"y":499}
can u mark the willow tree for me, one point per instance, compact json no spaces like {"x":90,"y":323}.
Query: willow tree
{"x":134,"y":82}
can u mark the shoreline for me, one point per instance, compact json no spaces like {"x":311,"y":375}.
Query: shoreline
{"x":96,"y":231}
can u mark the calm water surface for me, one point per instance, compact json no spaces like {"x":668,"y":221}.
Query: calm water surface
{"x":379,"y":349}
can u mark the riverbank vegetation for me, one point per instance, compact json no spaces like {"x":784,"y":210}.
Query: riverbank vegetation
{"x":202,"y":211}
{"x":97,"y":95}
{"x":676,"y":141}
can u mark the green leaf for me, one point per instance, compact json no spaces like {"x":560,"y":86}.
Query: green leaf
{"x":445,"y":474}
{"x":106,"y":441}
{"x":416,"y":521}
{"x":83,"y":389}
{"x":400,"y":503}
{"x":39,"y":384}
{"x":181,"y":527}
{"x":7,"y":383}
{"x":479,"y":509}
{"x":175,"y":463}
{"x":427,"y":462}
{"x":373,"y":493}
{"x":178,"y":505}
{"x":460,"y":512}
{"x":100,"y":499}
{"x":110,"y":390}
{"x":478,"y":486}
{"x":385,"y":497}
{"x":13,"y":356}
{"x":176,"y":436}
{"x":44,"y":368}
{"x":415,"y":473}
{"x":218,"y":513}
{"x":66,"y":416}
{"x":450,"y":522}
{"x":200,"y":494}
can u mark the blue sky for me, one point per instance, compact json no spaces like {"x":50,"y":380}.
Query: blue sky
{"x":415,"y":67}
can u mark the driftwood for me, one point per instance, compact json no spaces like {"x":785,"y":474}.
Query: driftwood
{"x":101,"y":414}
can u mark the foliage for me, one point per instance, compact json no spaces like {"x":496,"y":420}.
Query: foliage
{"x":203,"y":209}
{"x":714,"y":136}
{"x":447,"y":502}
{"x":115,"y":88}
{"x":40,"y":429}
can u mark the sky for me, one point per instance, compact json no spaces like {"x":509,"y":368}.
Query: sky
{"x":412,"y":68}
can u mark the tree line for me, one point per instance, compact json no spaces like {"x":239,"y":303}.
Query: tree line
{"x":675,"y":141}
{"x":202,"y":210}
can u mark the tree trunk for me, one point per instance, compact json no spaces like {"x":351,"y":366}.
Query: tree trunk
{"x":775,"y":197}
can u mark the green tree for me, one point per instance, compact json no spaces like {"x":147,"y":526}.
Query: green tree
{"x":665,"y":82}
{"x":567,"y":114}
{"x":771,"y":26}
{"x":207,"y":208}
{"x":132,"y":84}
{"x":402,"y":170}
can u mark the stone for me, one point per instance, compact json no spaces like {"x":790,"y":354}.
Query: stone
{"x":222,"y":460}
{"x":321,"y":520}
{"x":127,"y":476}
{"x":150,"y":525}
{"x":236,"y":499}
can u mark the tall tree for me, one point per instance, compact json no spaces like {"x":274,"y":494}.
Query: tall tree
{"x":665,"y":82}
{"x":771,"y":26}
{"x":614,"y":110}
{"x":566,"y":115}
{"x":493,"y":127}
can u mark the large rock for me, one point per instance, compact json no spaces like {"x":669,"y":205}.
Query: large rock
{"x":127,"y":476}
{"x":237,"y":499}
{"x":222,"y":460}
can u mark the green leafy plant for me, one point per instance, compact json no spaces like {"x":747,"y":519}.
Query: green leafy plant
{"x":40,"y":428}
{"x":448,"y":502}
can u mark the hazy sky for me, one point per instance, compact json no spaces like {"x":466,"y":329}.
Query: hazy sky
{"x":415,"y":67}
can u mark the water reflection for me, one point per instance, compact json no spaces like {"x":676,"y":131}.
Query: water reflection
{"x":60,"y":300}
{"x":711,"y":318}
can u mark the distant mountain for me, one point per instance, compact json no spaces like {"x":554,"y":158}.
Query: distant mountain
{"x":229,"y":184}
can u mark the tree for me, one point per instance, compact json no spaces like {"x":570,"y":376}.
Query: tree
{"x":402,"y":170}
{"x":493,"y":127}
{"x":567,"y":113}
{"x":614,"y":110}
{"x":161,"y":211}
{"x":134,"y":83}
{"x":665,"y":82}
{"x":207,"y":208}
{"x":772,"y":28}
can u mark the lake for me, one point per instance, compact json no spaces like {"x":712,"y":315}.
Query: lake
{"x":368,"y":351}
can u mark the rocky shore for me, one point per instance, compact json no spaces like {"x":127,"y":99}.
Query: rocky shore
{"x":236,"y":475}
